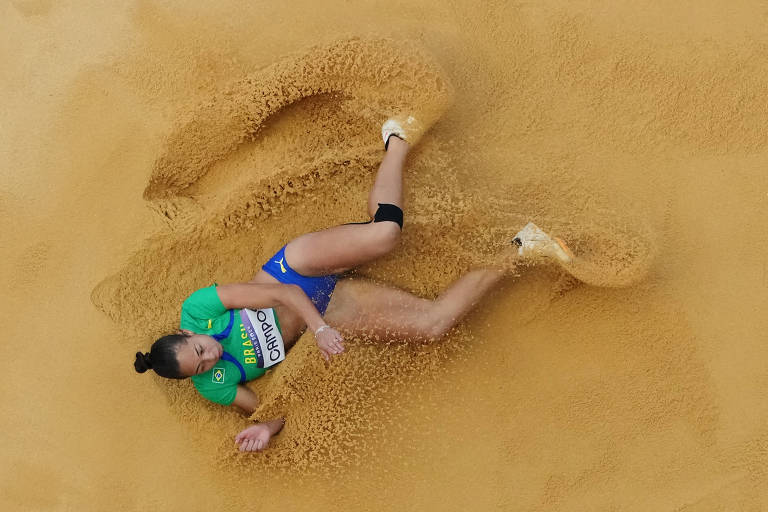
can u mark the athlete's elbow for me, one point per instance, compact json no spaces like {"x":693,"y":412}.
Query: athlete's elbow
{"x":244,"y":409}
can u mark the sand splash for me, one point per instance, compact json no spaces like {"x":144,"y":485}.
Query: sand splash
{"x":301,"y":136}
{"x":628,"y":129}
{"x":371,"y":80}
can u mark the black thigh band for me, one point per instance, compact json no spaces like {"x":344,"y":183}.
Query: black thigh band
{"x":385,"y":212}
{"x":389,"y":212}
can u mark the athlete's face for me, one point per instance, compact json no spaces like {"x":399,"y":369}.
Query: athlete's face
{"x":198,"y":354}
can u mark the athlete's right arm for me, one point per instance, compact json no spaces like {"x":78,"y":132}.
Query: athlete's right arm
{"x":255,"y":296}
{"x":256,"y":437}
{"x":246,"y":399}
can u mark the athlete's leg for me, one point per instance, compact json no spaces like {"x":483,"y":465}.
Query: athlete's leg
{"x":388,"y":187}
{"x":362,"y":307}
{"x":340,"y":248}
{"x":359,"y":306}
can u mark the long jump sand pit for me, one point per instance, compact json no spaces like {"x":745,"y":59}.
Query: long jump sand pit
{"x":150,"y":150}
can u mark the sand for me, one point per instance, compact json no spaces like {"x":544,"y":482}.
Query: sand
{"x":150,"y":149}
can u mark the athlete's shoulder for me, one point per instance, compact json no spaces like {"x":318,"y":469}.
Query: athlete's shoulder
{"x":203,"y":303}
{"x":219,"y":384}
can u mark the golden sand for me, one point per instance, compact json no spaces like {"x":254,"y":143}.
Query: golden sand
{"x":148,"y":151}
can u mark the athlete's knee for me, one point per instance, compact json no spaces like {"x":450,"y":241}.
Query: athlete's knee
{"x":388,"y":221}
{"x":438,"y":331}
{"x":437,"y":325}
{"x":387,"y":236}
{"x":389,"y":213}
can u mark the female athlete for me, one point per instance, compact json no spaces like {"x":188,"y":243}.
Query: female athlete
{"x":230,"y":334}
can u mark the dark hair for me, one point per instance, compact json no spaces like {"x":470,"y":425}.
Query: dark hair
{"x":162,"y":357}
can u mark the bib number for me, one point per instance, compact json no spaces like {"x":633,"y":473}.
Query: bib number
{"x":261,"y":327}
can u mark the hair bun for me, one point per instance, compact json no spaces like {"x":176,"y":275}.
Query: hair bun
{"x":142,"y":362}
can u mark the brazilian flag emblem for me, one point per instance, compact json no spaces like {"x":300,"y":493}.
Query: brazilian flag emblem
{"x":218,"y":375}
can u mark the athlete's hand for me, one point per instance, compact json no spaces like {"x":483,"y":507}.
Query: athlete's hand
{"x":329,"y":342}
{"x":253,"y":439}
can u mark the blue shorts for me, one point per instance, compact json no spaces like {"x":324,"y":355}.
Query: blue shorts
{"x":318,"y":289}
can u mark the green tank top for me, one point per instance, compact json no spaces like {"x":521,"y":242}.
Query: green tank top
{"x":203,"y":313}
